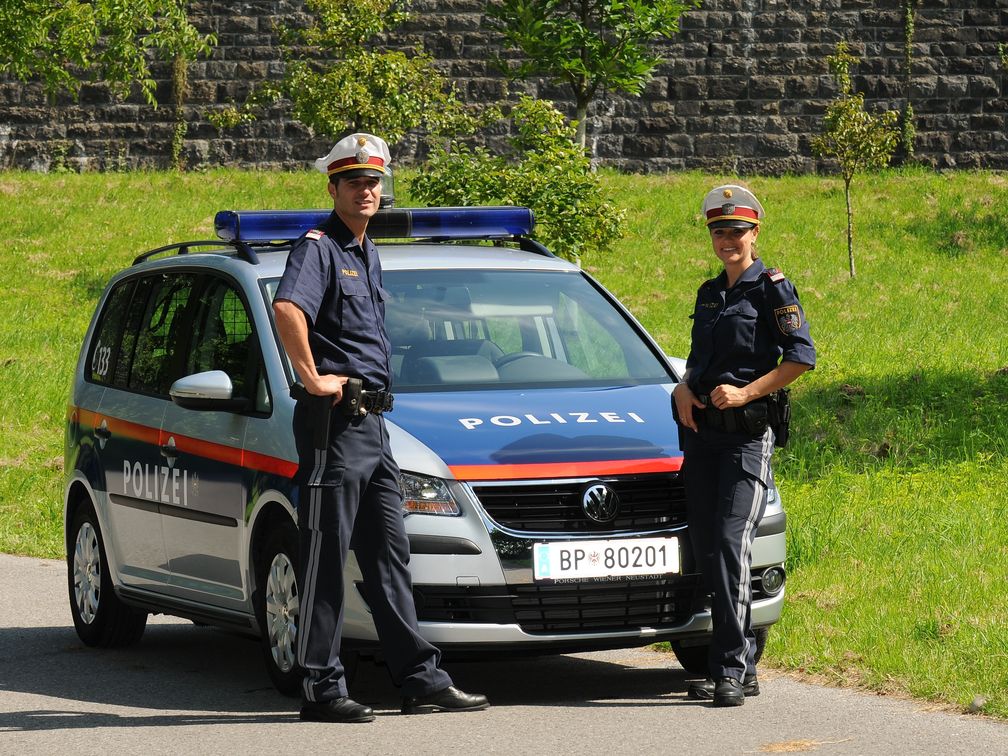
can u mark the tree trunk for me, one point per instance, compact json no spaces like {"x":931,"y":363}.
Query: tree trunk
{"x":581,"y":116}
{"x":850,"y":226}
{"x":180,"y":90}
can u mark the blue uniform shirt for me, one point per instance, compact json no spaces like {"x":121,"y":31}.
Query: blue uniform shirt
{"x":742,"y":333}
{"x":338,"y":285}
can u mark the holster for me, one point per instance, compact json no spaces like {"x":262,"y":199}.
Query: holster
{"x":350,"y":404}
{"x":779,"y":415}
{"x":751,"y":419}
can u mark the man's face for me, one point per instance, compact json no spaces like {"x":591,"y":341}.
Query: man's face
{"x":356,"y":198}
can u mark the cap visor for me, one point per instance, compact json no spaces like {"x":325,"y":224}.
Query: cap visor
{"x":731,"y":224}
{"x":355,"y":172}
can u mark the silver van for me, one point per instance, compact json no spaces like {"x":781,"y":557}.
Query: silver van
{"x":532,"y":423}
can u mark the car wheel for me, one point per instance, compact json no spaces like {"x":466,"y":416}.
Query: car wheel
{"x":694,"y":658}
{"x":761,"y":639}
{"x":100,"y":618}
{"x":277,"y":608}
{"x":691,"y":658}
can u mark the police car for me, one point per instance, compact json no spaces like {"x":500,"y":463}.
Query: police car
{"x":532,"y":424}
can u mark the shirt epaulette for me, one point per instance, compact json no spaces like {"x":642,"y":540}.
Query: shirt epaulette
{"x":775,"y":275}
{"x":315,"y":234}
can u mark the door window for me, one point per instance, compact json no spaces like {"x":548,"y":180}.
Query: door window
{"x":164,"y":327}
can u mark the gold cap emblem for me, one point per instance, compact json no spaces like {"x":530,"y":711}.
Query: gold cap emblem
{"x":361,"y":141}
{"x":727,"y":193}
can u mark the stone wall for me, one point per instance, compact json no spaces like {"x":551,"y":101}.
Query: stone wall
{"x":742,"y":90}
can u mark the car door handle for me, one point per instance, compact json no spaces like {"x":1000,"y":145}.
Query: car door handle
{"x":169,"y":451}
{"x":103,"y":433}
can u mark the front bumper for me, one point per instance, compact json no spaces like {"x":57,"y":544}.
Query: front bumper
{"x":474,"y":588}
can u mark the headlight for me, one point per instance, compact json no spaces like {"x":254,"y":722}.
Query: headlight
{"x":425,"y":495}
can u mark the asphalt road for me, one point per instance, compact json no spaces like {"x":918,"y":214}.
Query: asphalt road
{"x":187,"y":689}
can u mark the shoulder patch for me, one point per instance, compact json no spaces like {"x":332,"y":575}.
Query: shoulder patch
{"x":315,"y":234}
{"x":775,"y":275}
{"x":788,"y":319}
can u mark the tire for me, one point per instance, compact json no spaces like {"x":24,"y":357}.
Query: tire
{"x":694,"y":658}
{"x":761,"y":639}
{"x":100,"y":617}
{"x":277,"y":606}
{"x":691,"y":658}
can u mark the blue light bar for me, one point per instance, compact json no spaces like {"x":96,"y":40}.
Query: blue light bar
{"x":395,"y":223}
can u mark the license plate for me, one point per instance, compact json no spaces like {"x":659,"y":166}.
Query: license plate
{"x":611,"y":558}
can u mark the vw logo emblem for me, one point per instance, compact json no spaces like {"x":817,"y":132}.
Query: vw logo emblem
{"x":600,"y":502}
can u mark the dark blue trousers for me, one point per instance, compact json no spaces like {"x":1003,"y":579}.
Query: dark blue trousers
{"x":349,"y":497}
{"x":727,"y":476}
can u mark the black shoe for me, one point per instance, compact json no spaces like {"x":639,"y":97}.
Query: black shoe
{"x":343,"y":709}
{"x":448,"y":699}
{"x":728,"y":692}
{"x":703,"y":690}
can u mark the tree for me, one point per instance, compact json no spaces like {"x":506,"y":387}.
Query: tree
{"x":58,"y":40}
{"x":857,"y":140}
{"x":907,"y":129}
{"x":335,"y":82}
{"x":587,"y":45}
{"x":545,"y":171}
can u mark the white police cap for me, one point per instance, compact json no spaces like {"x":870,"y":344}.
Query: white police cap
{"x":356,"y":155}
{"x":731,"y":206}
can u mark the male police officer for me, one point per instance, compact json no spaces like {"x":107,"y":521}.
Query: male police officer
{"x":331,"y":318}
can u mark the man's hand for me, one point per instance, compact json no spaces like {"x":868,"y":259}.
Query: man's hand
{"x":326,"y":385}
{"x":685,"y":401}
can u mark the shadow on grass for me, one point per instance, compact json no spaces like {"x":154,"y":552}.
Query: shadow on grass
{"x":912,"y":424}
{"x":908,"y":420}
{"x":955,"y":233}
{"x":88,"y":284}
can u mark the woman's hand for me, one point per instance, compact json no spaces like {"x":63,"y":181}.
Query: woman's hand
{"x":685,"y":401}
{"x":726,"y":396}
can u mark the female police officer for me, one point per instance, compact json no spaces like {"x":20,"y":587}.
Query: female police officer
{"x":744,"y":322}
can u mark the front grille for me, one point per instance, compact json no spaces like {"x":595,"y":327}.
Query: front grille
{"x":647,"y":502}
{"x":565,"y":607}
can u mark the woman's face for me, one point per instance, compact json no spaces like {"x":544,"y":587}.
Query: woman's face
{"x":734,"y":246}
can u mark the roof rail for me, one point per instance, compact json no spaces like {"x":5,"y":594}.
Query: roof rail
{"x":242,"y":250}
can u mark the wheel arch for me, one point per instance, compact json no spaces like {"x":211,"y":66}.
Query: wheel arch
{"x":269,"y":515}
{"x":78,"y":494}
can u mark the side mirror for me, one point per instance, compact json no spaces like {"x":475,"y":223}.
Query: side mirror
{"x":211,"y":391}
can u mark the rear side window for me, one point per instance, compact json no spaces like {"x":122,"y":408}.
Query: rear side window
{"x":105,"y":346}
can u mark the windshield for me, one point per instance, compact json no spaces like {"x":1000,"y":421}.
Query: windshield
{"x":480,"y":328}
{"x":477,"y":329}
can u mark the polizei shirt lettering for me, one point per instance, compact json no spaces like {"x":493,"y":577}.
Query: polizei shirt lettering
{"x":337,"y":284}
{"x":742,"y":333}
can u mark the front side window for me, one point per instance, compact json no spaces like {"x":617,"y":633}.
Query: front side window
{"x":165,"y":325}
{"x":223,"y":339}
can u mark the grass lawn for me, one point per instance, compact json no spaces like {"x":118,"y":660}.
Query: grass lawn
{"x":895,"y":477}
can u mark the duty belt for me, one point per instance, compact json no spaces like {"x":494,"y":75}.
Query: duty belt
{"x":376,"y":402}
{"x":750,"y":419}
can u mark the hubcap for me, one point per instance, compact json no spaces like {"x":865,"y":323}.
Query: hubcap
{"x":87,"y":573}
{"x":282,"y":611}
